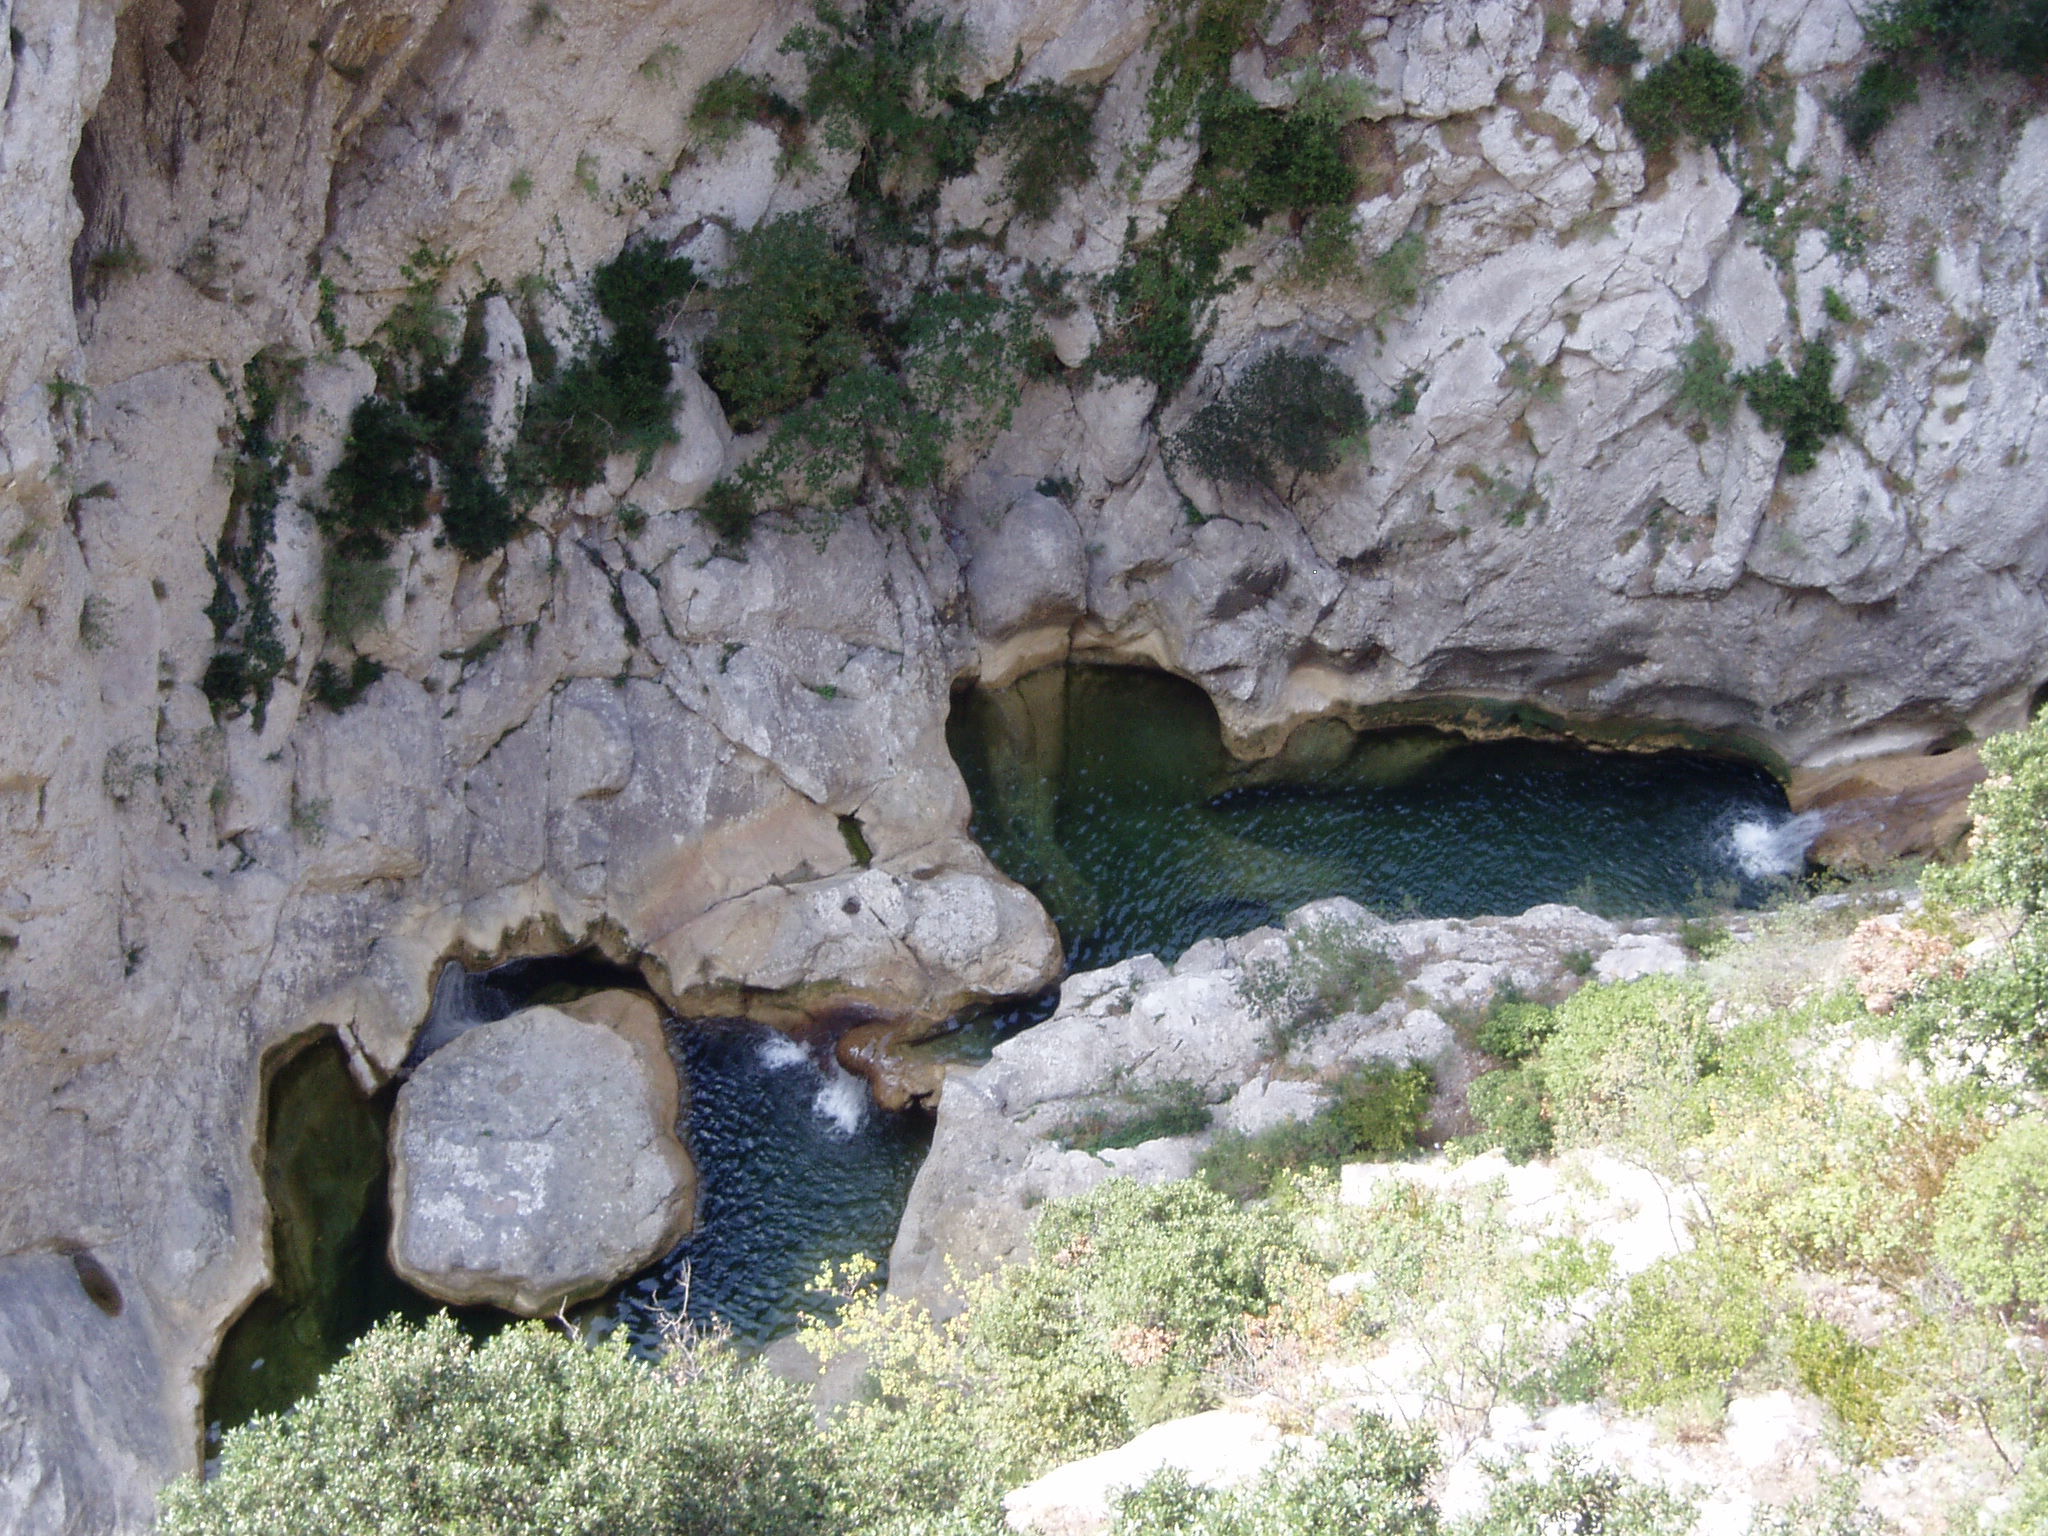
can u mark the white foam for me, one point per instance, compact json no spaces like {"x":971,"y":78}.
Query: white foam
{"x":1762,"y":849}
{"x":777,"y":1053}
{"x":843,"y":1100}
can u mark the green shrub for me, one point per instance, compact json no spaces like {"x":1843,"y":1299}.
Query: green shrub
{"x":2008,"y":864}
{"x":730,"y":101}
{"x":1371,"y":1478}
{"x":1695,"y":94}
{"x":1253,"y":162}
{"x":353,"y":590}
{"x":1376,"y":1111}
{"x":1880,"y":90}
{"x":1509,"y":1104}
{"x":1991,"y":1228}
{"x":1849,"y":1377}
{"x":1329,"y":968}
{"x":615,"y":398}
{"x":250,"y":653}
{"x":1131,"y":1291}
{"x":1514,"y":1029}
{"x":378,"y":489}
{"x":1609,"y":45}
{"x":1287,"y":415}
{"x":2002,"y":34}
{"x":886,"y":82}
{"x":416,"y":1430}
{"x":331,"y":688}
{"x":1049,"y":131}
{"x":1704,"y":389}
{"x":1803,"y":407}
{"x":1172,"y":1109}
{"x":1575,"y":1499}
{"x":1685,"y":1328}
{"x":1625,"y":1063}
{"x":789,"y":319}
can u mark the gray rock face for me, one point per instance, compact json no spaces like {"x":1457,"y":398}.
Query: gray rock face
{"x":1138,"y":1026}
{"x":531,"y":1165}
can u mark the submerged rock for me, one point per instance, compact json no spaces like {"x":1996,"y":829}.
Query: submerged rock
{"x":534,"y":1162}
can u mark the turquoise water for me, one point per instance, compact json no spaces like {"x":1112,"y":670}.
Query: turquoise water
{"x":1108,"y":792}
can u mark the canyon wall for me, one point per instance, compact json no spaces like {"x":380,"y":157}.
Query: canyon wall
{"x":730,"y":767}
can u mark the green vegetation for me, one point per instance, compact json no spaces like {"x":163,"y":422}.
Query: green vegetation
{"x":615,"y":398}
{"x":1509,"y":1106}
{"x":1685,"y":1328}
{"x":1049,"y":133}
{"x":1991,"y":1229}
{"x":1609,"y":45}
{"x":249,"y":652}
{"x":791,"y":316}
{"x":1376,"y":1112}
{"x":728,"y":102}
{"x":1801,"y":407}
{"x":1880,"y":90}
{"x":334,"y":689}
{"x":1985,"y":34}
{"x":1254,"y":162}
{"x":1171,"y":1109}
{"x":1329,"y":968}
{"x":1705,"y":390}
{"x":1695,"y":94}
{"x":1286,"y":416}
{"x":1371,"y":1478}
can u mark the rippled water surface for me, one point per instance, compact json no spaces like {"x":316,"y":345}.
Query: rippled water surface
{"x":1108,"y":792}
{"x":798,"y":1170}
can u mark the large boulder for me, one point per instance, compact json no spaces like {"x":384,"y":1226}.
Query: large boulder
{"x":534,"y":1161}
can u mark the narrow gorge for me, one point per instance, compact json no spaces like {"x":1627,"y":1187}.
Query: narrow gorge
{"x":685,"y":565}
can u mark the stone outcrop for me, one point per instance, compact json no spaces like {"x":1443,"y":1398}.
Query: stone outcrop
{"x":617,"y":733}
{"x":1120,"y":1034}
{"x":535,"y":1161}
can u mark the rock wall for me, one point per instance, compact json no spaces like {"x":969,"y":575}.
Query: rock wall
{"x":621,"y":735}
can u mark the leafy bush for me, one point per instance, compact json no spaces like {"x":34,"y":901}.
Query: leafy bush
{"x":331,"y":688}
{"x":1049,"y":131}
{"x":1704,"y":389}
{"x":1254,"y":162}
{"x":416,"y":1430}
{"x":1514,"y":1029}
{"x":1625,"y":1064}
{"x":615,"y":398}
{"x":1287,"y":415}
{"x":249,"y":652}
{"x":1509,"y":1105}
{"x":1171,"y":1109}
{"x":1685,"y":1327}
{"x":1608,"y":45}
{"x":1880,"y":90}
{"x":1329,"y":968}
{"x":2003,"y":34}
{"x":1131,"y":1290}
{"x":1372,"y":1478}
{"x":1803,"y":407}
{"x":1849,"y":1377}
{"x":1695,"y":94}
{"x":789,"y":319}
{"x":1376,"y":1112}
{"x":2008,"y":864}
{"x":886,"y":82}
{"x":1575,"y":1499}
{"x":1991,"y":1231}
{"x":730,"y":101}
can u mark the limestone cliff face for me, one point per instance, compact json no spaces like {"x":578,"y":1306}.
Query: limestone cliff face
{"x":616,"y":734}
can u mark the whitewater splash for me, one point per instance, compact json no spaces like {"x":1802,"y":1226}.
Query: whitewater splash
{"x":841,"y":1100}
{"x":778,"y":1053}
{"x":1765,"y":850}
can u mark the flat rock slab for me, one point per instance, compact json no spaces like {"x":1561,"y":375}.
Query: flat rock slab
{"x":534,"y":1162}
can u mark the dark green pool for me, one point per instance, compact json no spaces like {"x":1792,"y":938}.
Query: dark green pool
{"x":1108,"y":792}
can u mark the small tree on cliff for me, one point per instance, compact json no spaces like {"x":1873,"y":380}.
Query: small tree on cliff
{"x":1286,"y":416}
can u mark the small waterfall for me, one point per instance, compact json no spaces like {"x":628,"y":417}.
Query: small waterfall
{"x":843,"y":1100}
{"x":1764,"y":849}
